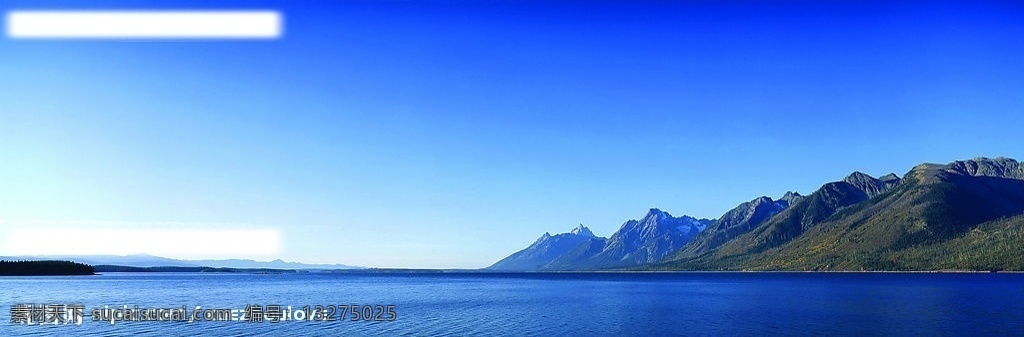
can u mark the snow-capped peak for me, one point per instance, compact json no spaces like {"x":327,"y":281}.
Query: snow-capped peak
{"x":582,"y":230}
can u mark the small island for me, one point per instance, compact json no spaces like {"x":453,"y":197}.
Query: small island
{"x":43,"y":268}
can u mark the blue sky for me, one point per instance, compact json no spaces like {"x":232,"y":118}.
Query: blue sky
{"x":450,"y":134}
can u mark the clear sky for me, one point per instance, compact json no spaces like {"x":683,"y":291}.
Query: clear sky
{"x":453,"y":133}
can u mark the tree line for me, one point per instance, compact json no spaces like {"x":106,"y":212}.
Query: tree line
{"x":31,"y":268}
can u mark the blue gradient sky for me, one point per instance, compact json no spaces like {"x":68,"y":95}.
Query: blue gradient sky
{"x":450,"y":134}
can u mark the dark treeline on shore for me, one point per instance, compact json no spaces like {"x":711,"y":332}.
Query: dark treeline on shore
{"x":30,"y":268}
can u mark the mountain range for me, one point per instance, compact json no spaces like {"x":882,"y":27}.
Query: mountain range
{"x":647,"y":240}
{"x":965,"y":215}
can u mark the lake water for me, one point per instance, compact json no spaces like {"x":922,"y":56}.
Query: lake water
{"x":550,"y":304}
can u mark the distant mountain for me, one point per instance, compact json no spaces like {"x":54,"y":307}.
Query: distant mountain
{"x":868,"y":184}
{"x":984,"y":167}
{"x":647,"y":240}
{"x":145,"y":261}
{"x":737,"y":221}
{"x":578,"y":258}
{"x":545,"y":250}
{"x":962,"y":215}
{"x":791,"y":198}
{"x":275,"y":264}
{"x":890,"y":180}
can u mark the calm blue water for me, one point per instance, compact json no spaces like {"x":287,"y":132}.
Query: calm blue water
{"x":558,"y":304}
